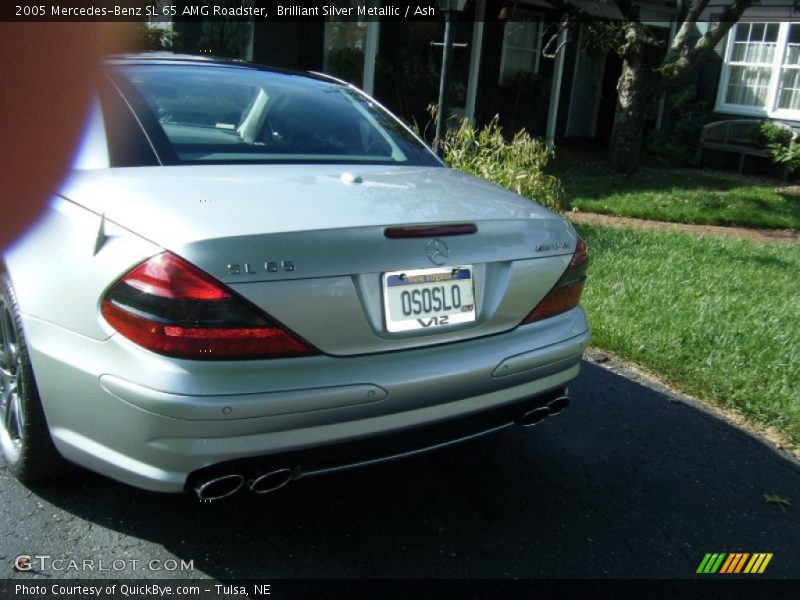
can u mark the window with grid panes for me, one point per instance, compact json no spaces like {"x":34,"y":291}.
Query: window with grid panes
{"x":761,"y":73}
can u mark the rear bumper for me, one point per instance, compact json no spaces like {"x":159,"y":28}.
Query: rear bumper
{"x":151,"y":421}
{"x":342,"y":456}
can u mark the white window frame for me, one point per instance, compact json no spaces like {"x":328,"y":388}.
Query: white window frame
{"x":769,"y":110}
{"x":536,"y":51}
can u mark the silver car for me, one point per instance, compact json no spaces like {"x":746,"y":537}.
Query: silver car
{"x":252,"y":276}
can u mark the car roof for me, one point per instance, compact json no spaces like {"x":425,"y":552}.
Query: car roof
{"x":171,"y":58}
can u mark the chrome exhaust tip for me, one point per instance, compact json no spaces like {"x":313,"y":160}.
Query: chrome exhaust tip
{"x":534,"y":416}
{"x":270,"y":481}
{"x":557,"y":405}
{"x":220,"y":487}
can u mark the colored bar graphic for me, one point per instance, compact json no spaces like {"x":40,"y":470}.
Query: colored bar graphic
{"x":740,"y":563}
{"x":734,"y":563}
{"x":726,"y":566}
{"x":755,"y":562}
{"x":731,"y":563}
{"x":703,"y":563}
{"x":717,"y":563}
{"x":765,"y":563}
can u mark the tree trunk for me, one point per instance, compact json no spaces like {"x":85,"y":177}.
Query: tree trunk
{"x":628,"y":131}
{"x":639,"y":85}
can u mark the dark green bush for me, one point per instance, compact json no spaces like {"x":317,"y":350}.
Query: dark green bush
{"x":676,"y":141}
{"x":771,"y":133}
{"x":783,"y":149}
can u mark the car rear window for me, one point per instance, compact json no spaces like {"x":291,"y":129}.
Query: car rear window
{"x":222,"y":114}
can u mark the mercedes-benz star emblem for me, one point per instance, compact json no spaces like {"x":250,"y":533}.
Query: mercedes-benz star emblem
{"x":437,"y":252}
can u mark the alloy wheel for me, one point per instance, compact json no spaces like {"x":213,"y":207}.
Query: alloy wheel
{"x":12,"y":416}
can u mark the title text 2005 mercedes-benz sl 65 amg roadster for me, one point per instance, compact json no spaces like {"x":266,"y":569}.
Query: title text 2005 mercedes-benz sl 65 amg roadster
{"x":251,"y":276}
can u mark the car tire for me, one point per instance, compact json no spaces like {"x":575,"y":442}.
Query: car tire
{"x":25,"y":441}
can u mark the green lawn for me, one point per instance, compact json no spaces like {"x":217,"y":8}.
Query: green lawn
{"x":682,"y":196}
{"x":716,"y":317}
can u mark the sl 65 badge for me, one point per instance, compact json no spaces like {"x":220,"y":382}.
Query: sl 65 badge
{"x":271,"y":266}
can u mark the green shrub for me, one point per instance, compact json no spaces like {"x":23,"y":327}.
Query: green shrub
{"x":676,"y":141}
{"x":517,"y":164}
{"x":770,"y":133}
{"x":785,"y":155}
{"x":781,"y":145}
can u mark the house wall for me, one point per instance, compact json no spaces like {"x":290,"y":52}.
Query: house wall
{"x":770,"y":10}
{"x":709,"y":77}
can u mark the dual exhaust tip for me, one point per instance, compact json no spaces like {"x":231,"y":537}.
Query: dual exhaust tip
{"x":540,"y":413}
{"x":221,"y":486}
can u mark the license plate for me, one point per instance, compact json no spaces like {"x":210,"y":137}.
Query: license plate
{"x":428,"y":298}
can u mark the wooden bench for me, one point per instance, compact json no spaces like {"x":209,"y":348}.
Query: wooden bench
{"x":739,"y":136}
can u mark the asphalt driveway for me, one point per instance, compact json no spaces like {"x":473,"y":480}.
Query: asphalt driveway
{"x":627,"y":482}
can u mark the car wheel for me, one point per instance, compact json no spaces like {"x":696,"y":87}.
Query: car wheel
{"x":25,"y":439}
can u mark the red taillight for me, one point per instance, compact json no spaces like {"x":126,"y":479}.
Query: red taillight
{"x":171,"y":307}
{"x":168,"y":276}
{"x":566,"y":293}
{"x":579,"y":256}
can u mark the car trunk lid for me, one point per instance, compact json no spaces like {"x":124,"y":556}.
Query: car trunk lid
{"x":309,"y":244}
